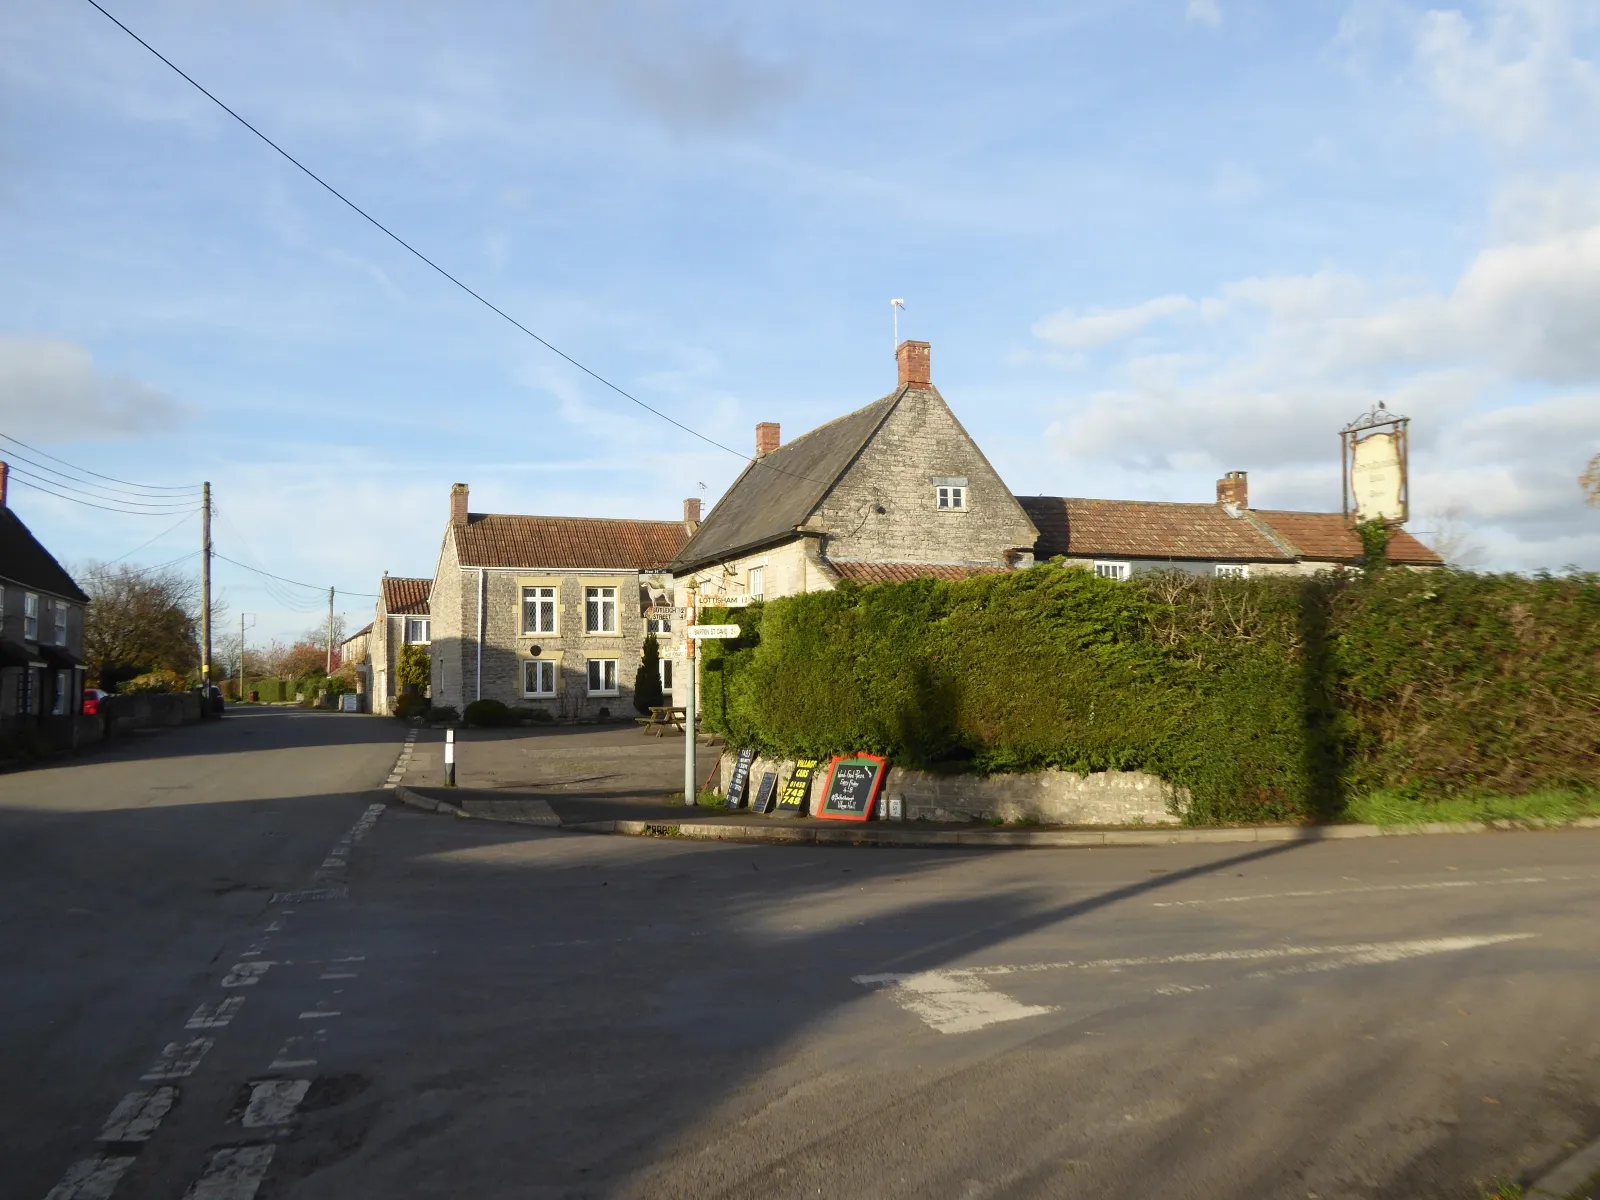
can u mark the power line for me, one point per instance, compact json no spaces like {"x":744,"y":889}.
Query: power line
{"x":186,"y":516}
{"x":421,"y":257}
{"x":109,"y":493}
{"x":284,"y":579}
{"x":279,"y":594}
{"x":155,"y":506}
{"x":131,"y":512}
{"x":149,"y":487}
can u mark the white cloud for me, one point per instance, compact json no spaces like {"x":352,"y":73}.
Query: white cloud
{"x":1098,"y":327}
{"x":1203,"y":12}
{"x":50,"y":387}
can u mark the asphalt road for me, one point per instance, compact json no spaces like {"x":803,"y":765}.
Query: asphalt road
{"x":501,"y":1011}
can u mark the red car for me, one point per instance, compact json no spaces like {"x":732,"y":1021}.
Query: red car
{"x":91,"y":701}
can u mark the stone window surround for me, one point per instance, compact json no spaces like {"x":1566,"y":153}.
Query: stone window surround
{"x":950,"y":493}
{"x":616,"y":608}
{"x":554,"y":672}
{"x":525,"y":582}
{"x":589,"y":675}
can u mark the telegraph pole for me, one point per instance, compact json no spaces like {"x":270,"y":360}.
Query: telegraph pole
{"x":205,"y":597}
{"x":330,"y":631}
{"x":690,"y":783}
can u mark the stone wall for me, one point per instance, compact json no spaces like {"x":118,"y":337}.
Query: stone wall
{"x":150,"y":710}
{"x":1042,"y":797}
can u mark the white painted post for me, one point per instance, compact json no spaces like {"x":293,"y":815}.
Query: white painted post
{"x":690,"y":788}
{"x":450,"y":757}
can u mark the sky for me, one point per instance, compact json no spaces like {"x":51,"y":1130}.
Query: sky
{"x":1150,"y":241}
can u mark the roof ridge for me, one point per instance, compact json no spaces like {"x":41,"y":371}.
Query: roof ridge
{"x":555,"y":517}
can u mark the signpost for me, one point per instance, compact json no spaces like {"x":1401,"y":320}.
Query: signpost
{"x":761,"y":802}
{"x":695,"y":633}
{"x":1374,"y":454}
{"x":793,"y":801}
{"x":853,"y":783}
{"x":740,"y":778}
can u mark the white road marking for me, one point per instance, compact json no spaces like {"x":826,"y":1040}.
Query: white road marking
{"x":246,"y":974}
{"x":321,"y":1012}
{"x":215,"y":1018}
{"x":953,"y":1003}
{"x":329,"y":893}
{"x":90,"y":1179}
{"x":1351,"y":891}
{"x":273,"y":1101}
{"x":338,"y":975}
{"x":178,"y":1060}
{"x":234,"y":1174}
{"x":138,"y":1115}
{"x":956,"y":1001}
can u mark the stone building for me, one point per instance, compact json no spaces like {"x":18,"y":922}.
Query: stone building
{"x":549,"y":612}
{"x":895,"y":490}
{"x":402,"y":619}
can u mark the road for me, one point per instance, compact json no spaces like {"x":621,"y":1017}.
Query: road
{"x":496,"y":1010}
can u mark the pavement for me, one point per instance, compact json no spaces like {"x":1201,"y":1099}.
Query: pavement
{"x":444,"y":1008}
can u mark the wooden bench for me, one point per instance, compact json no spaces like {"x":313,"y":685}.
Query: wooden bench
{"x":661,"y":719}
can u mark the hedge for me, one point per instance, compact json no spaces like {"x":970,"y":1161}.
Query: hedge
{"x":1268,"y":699}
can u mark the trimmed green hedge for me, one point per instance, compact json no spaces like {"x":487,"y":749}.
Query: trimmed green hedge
{"x":1269,"y":699}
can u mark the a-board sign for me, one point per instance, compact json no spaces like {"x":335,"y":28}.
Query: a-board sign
{"x":761,"y":802}
{"x":739,"y":779}
{"x":853,"y":783}
{"x":701,"y":632}
{"x":793,"y":801}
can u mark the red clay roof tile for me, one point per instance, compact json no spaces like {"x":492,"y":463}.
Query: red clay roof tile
{"x":504,"y":540}
{"x":405,"y":596}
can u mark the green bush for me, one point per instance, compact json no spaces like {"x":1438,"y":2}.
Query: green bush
{"x":1269,"y":698}
{"x":647,"y":690}
{"x":445,"y":713}
{"x":157,"y":681}
{"x":415,"y":666}
{"x":487,"y":714}
{"x":542,"y":716}
{"x":409,"y":704}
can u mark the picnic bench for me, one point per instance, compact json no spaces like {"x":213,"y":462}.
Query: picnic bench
{"x":662,"y":718}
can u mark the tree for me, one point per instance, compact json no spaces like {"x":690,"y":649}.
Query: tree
{"x":415,"y":666}
{"x":138,"y":622}
{"x":647,"y":693}
{"x":1590,"y":481}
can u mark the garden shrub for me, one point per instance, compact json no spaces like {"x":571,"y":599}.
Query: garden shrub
{"x":443,"y":713}
{"x":156,"y":681}
{"x":487,"y":714}
{"x":409,"y":704}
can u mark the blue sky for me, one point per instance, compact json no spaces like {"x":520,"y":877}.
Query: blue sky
{"x":1150,"y":241}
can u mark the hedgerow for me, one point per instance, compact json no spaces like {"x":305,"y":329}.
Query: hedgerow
{"x":1267,"y":699}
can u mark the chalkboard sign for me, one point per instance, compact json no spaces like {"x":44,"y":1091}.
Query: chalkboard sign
{"x":761,"y":802}
{"x":793,"y":801}
{"x":739,"y":779}
{"x":853,"y":784}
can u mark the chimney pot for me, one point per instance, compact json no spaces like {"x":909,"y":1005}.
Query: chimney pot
{"x":915,"y":367}
{"x":691,"y":513}
{"x":1234,"y":488}
{"x":768,"y":438}
{"x":458,"y":504}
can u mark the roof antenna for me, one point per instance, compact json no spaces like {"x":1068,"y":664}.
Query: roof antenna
{"x":897,"y":305}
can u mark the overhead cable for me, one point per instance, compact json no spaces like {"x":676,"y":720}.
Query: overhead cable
{"x":132,"y":512}
{"x":146,"y":487}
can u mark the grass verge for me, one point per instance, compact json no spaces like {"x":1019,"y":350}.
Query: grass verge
{"x":1552,"y":805}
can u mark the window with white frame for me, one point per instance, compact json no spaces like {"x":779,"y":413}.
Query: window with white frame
{"x":60,"y":623}
{"x":602,"y":677}
{"x":1232,"y":571}
{"x":538,"y":610}
{"x":58,"y":707}
{"x":950,"y":496}
{"x":418,"y":630}
{"x":1113,"y":570}
{"x":30,"y":618}
{"x":758,"y":581}
{"x":539,"y":677}
{"x":666,"y":675}
{"x":600,"y":611}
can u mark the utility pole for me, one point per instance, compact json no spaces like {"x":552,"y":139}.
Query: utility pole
{"x":330,"y":631}
{"x":690,"y":783}
{"x":205,"y":597}
{"x":239,"y":699}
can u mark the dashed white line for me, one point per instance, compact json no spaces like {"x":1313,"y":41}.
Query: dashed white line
{"x":246,"y":974}
{"x":338,"y":975}
{"x":957,"y":1004}
{"x":215,"y":1018}
{"x":1350,"y":891}
{"x":233,"y":1174}
{"x":138,"y":1115}
{"x":91,"y":1178}
{"x":318,"y":1013}
{"x":178,"y":1060}
{"x":273,"y":1101}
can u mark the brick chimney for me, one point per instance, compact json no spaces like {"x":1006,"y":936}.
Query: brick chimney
{"x":691,"y":513}
{"x":768,"y":438}
{"x":458,"y":504}
{"x":1234,"y":488}
{"x":5,"y":471}
{"x":914,"y":366}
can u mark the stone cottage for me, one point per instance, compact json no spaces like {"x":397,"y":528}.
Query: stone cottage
{"x":548,"y":612}
{"x":402,"y":619}
{"x":892,"y":491}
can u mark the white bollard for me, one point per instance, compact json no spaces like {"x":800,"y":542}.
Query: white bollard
{"x":450,"y":757}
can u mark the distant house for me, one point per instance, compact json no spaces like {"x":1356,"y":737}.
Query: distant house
{"x":402,"y":619}
{"x":548,"y":612}
{"x":41,"y":633}
{"x":1121,"y":538}
{"x":892,"y":491}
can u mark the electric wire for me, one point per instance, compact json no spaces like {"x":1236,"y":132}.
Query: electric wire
{"x":149,"y":487}
{"x":276,"y":592}
{"x":423,"y":258}
{"x":98,"y":490}
{"x":285,"y":579}
{"x":87,"y":504}
{"x":145,"y":506}
{"x":186,"y":517}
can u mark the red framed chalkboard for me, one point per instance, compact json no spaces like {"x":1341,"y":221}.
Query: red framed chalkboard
{"x":852,"y":787}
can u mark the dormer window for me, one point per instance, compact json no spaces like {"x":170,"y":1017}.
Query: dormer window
{"x":950,"y":493}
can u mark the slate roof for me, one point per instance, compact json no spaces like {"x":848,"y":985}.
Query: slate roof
{"x":1324,"y":537}
{"x":23,"y":561}
{"x":503,"y":540}
{"x":362,"y":632}
{"x":872,"y":572}
{"x":777,"y":492}
{"x":1146,"y":529}
{"x":405,"y":596}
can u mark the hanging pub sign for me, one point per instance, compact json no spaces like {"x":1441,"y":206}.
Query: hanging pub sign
{"x":761,"y":802}
{"x":740,"y":778}
{"x":853,"y":783}
{"x":1374,"y":454}
{"x":793,"y":801}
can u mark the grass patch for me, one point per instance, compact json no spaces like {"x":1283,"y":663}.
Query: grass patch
{"x":1552,"y":805}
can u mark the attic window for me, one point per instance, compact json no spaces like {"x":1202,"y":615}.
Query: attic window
{"x":950,"y":492}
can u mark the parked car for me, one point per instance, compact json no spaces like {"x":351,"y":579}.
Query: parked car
{"x":211,"y":700}
{"x":91,"y":701}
